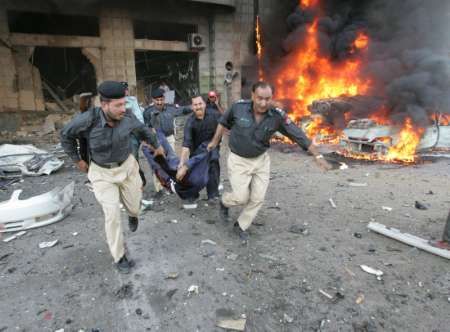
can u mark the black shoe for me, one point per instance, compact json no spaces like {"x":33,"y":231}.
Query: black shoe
{"x":133,"y":223}
{"x":223,"y":212}
{"x":243,"y":235}
{"x":124,"y":265}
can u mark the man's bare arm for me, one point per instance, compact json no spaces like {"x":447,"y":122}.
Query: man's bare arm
{"x":185,"y":153}
{"x":217,"y":136}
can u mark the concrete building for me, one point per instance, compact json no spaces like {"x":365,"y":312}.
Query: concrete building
{"x":50,"y":51}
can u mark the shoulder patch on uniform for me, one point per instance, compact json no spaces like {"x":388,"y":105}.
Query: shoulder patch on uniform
{"x":280,"y":111}
{"x":284,"y":115}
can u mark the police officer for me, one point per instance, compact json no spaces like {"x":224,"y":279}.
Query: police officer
{"x":252,"y":124}
{"x":113,"y":171}
{"x":161,"y":116}
{"x":200,"y":127}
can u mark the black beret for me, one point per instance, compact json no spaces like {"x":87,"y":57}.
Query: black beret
{"x":111,"y":90}
{"x":157,"y":93}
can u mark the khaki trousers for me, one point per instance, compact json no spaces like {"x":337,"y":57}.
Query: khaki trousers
{"x":157,"y":185}
{"x":112,"y":187}
{"x":249,"y":179}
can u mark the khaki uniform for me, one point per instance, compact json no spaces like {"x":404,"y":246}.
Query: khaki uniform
{"x":249,"y":179}
{"x":248,"y":161}
{"x":156,"y":183}
{"x":114,"y":186}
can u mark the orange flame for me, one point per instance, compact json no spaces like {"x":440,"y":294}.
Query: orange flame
{"x":321,"y":131}
{"x":361,"y":41}
{"x":259,"y":47}
{"x":381,"y":117}
{"x":310,"y":76}
{"x":308,"y":3}
{"x":405,"y":149}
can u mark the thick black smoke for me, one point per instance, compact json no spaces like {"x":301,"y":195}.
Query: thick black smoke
{"x":409,"y":51}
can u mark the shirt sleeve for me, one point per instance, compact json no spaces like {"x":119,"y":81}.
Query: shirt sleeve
{"x":187,"y":140}
{"x":182,"y":110}
{"x":289,"y":129}
{"x":73,"y":131}
{"x":144,"y":133}
{"x":226,"y":119}
{"x":147,"y":115}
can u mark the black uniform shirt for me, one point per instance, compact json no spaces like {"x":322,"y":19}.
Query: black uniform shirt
{"x":197,"y":131}
{"x":249,"y":139}
{"x":106,"y":144}
{"x":164,"y":120}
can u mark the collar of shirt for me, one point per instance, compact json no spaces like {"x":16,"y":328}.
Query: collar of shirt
{"x":268,"y":113}
{"x":157,"y":111}
{"x":103,"y":119}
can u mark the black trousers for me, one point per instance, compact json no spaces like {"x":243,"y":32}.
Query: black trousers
{"x":212,"y":188}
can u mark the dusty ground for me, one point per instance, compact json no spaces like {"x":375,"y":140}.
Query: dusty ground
{"x":275,"y":279}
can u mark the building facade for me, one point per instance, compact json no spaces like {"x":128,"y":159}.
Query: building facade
{"x":50,"y":51}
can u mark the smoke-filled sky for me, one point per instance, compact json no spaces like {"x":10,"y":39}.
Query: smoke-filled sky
{"x":409,"y":51}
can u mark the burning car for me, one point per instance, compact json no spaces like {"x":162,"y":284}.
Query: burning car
{"x":365,"y":139}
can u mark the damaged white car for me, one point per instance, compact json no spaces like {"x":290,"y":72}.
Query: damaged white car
{"x":37,"y":211}
{"x":365,"y":136}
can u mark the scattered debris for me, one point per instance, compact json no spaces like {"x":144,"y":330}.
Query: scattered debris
{"x":332,"y":203}
{"x":220,"y":269}
{"x":325,"y":294}
{"x":287,"y":318}
{"x":18,"y":160}
{"x":15,"y":236}
{"x":147,"y":205}
{"x":125,"y":291}
{"x":36,"y":211}
{"x":412,"y":240}
{"x":75,"y":233}
{"x":343,"y":166}
{"x":173,"y":221}
{"x":193,"y":289}
{"x":232,"y":257}
{"x":172,"y":275}
{"x":171,"y":293}
{"x":368,"y":269}
{"x":357,"y":235}
{"x":139,"y":311}
{"x":386,"y":208}
{"x":208,"y":241}
{"x":297,"y":229}
{"x":420,"y":206}
{"x":232,"y":324}
{"x":49,"y":244}
{"x":357,"y":184}
{"x":360,"y":298}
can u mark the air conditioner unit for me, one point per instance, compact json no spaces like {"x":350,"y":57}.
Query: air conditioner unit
{"x":196,"y":41}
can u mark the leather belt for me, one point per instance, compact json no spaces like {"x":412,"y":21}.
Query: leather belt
{"x":109,"y":165}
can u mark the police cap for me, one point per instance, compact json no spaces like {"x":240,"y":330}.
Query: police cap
{"x":111,"y":90}
{"x":157,"y":93}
